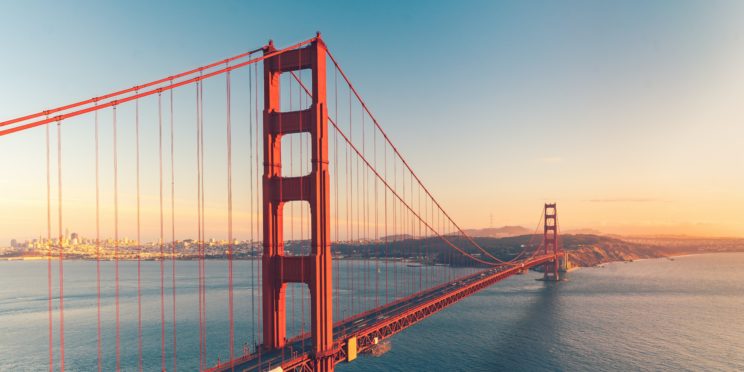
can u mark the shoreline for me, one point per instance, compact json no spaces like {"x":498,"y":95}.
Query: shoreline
{"x":395,"y":259}
{"x":668,"y":257}
{"x":674,"y":256}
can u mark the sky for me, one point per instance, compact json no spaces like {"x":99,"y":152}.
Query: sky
{"x":628,"y":114}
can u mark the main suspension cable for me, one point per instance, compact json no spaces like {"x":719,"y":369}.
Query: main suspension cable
{"x":384,"y":181}
{"x":400,"y":156}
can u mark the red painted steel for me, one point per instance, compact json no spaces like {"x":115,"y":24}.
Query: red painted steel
{"x":393,"y":325}
{"x":98,"y":105}
{"x":315,"y":269}
{"x":128,"y":90}
{"x":550,"y":241}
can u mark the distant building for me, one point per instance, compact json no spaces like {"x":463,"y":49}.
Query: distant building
{"x":13,"y":243}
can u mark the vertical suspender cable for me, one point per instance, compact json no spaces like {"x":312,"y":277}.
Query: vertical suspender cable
{"x":418,"y":236}
{"x":377,"y":223}
{"x":366,"y":223}
{"x":202,"y":362}
{"x":358,"y":214}
{"x":350,"y":210}
{"x":61,"y":254}
{"x":250,"y":213}
{"x":404,"y":236}
{"x":198,"y":224}
{"x":335,"y":186}
{"x":98,"y":250}
{"x":230,"y":225}
{"x":49,"y":253}
{"x":301,"y":206}
{"x":173,"y":229}
{"x":395,"y":228}
{"x":116,"y":243}
{"x":355,"y":171}
{"x":291,"y":327}
{"x":387,"y":298}
{"x":348,"y":236}
{"x":427,"y":269}
{"x":413,"y":234}
{"x":422,"y":233}
{"x":203,"y":224}
{"x":434,"y":233}
{"x":433,"y":250}
{"x":203,"y":218}
{"x":161,"y":241}
{"x":257,"y":204}
{"x":302,"y":210}
{"x":139,"y":237}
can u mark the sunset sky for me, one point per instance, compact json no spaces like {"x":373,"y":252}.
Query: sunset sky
{"x":629,"y":114}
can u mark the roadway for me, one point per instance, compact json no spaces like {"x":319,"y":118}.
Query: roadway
{"x":299,"y":348}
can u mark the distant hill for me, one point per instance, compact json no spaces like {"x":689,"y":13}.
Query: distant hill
{"x":396,"y":237}
{"x":590,"y":250}
{"x":584,"y":232}
{"x":583,"y":249}
{"x":499,"y":232}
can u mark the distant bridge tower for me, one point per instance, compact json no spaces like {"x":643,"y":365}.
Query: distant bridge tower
{"x":565,"y":262}
{"x":550,"y":241}
{"x":313,"y":188}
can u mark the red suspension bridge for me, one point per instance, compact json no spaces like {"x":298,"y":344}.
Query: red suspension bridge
{"x":348,"y":248}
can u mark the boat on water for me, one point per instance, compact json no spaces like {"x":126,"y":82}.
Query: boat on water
{"x":381,"y":348}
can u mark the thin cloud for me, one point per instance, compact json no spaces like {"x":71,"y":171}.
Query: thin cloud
{"x":625,"y":200}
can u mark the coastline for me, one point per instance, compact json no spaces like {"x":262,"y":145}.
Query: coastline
{"x":397,"y":259}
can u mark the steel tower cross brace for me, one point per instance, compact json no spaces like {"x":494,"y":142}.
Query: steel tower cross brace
{"x":313,"y":188}
{"x":550,"y":241}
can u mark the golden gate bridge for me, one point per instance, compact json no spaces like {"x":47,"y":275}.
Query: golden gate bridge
{"x":333,"y":184}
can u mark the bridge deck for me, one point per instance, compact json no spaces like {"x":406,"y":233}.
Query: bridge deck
{"x":380,"y":323}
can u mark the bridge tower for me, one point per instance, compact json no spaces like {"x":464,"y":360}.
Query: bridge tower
{"x":315,"y":269}
{"x":550,"y":241}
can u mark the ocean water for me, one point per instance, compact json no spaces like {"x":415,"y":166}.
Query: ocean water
{"x":649,"y":315}
{"x":686,"y":314}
